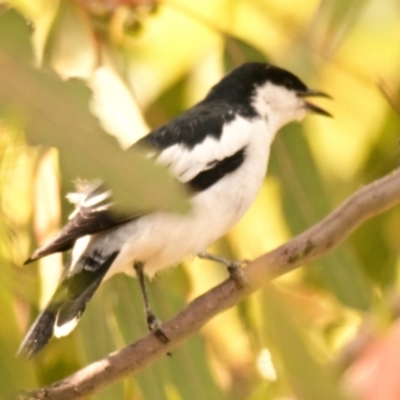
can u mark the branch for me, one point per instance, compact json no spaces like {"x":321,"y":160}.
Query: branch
{"x":315,"y":242}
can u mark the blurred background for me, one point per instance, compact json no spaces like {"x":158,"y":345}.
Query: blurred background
{"x":74,"y":72}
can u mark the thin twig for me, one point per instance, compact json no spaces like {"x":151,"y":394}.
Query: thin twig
{"x":315,"y":242}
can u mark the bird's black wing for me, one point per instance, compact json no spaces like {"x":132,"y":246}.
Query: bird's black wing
{"x":202,"y":145}
{"x":190,"y":128}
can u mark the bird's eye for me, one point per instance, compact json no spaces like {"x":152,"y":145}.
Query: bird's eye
{"x":288,"y":83}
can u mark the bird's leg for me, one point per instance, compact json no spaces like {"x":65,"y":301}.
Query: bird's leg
{"x":153,"y":323}
{"x":234,"y":267}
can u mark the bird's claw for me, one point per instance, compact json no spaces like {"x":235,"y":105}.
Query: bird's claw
{"x":236,"y":273}
{"x":155,"y":326}
{"x":234,"y":267}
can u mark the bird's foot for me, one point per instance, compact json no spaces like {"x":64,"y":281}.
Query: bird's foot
{"x":236,"y":272}
{"x":234,"y":267}
{"x":155,"y":326}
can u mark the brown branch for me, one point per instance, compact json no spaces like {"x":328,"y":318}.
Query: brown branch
{"x":316,"y":241}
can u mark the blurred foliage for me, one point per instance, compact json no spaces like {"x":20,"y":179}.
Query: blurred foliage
{"x":138,"y":63}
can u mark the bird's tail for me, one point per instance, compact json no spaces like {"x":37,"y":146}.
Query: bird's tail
{"x":40,"y":332}
{"x":65,"y":308}
{"x":59,"y":318}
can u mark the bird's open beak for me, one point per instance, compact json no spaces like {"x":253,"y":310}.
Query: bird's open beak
{"x":311,"y":107}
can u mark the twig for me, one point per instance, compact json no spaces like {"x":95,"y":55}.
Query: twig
{"x":315,"y":242}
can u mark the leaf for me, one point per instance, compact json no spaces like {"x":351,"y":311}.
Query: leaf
{"x":376,"y":243}
{"x":16,"y":374}
{"x":333,"y":22}
{"x":305,"y":203}
{"x":309,"y":379}
{"x":56,"y":114}
{"x":70,"y":47}
{"x":237,"y":52}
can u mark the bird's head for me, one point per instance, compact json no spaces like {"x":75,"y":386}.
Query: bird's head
{"x":270,"y":92}
{"x":280,"y":97}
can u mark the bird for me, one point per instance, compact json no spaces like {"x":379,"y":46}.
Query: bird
{"x":218,"y":150}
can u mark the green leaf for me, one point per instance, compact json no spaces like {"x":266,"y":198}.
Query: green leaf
{"x":305,"y":203}
{"x":377,"y":241}
{"x":333,"y":22}
{"x":70,"y":47}
{"x":16,"y":374}
{"x":237,"y":52}
{"x":309,"y":379}
{"x":56,"y":114}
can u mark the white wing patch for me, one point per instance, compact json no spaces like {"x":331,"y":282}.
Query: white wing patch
{"x":65,"y":329}
{"x":84,"y":197}
{"x":79,"y":247}
{"x":186,"y":163}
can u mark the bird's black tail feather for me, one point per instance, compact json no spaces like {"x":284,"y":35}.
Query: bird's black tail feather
{"x":40,"y":332}
{"x":66,"y":306}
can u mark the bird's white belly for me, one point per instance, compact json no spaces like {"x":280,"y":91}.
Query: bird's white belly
{"x":163,"y":239}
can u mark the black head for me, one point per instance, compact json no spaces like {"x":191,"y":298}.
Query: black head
{"x":264,"y":89}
